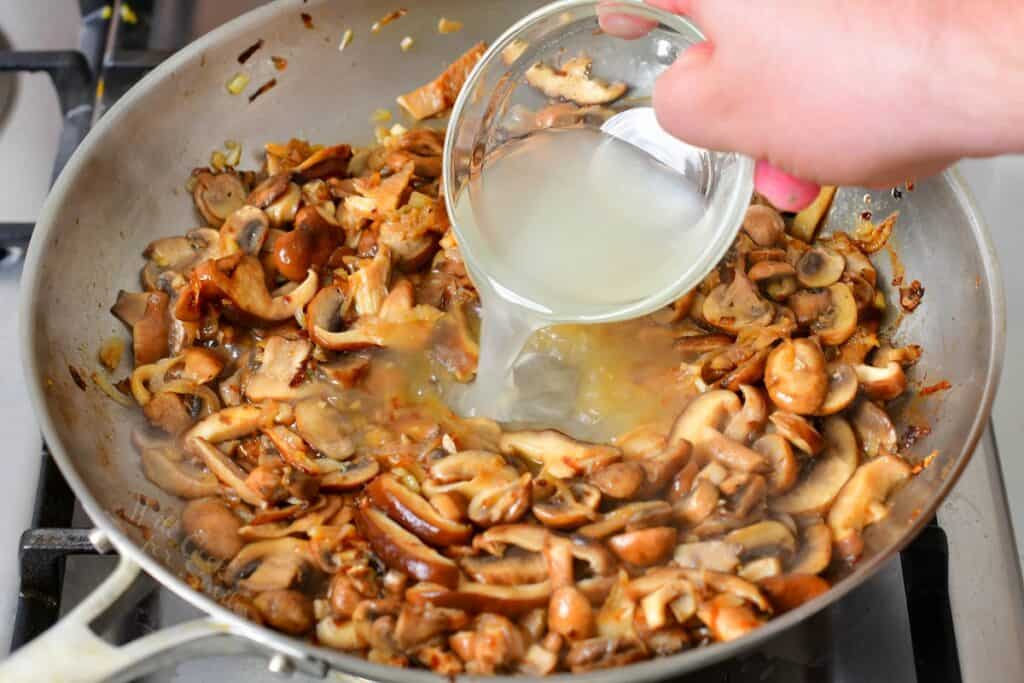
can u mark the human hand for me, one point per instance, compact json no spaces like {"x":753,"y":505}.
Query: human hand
{"x":859,"y":92}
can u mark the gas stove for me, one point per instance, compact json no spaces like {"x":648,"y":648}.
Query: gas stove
{"x":950,"y":608}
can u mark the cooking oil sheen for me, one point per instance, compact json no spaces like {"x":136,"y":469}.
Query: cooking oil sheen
{"x":570,"y":222}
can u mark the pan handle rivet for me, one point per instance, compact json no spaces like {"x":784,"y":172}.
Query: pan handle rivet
{"x":100,"y":541}
{"x":279,"y":664}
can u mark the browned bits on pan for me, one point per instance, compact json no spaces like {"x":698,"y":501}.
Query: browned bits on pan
{"x":77,"y":377}
{"x":262,"y":89}
{"x":307,"y":20}
{"x":935,"y":388}
{"x":280,"y":63}
{"x":249,"y":51}
{"x":910,"y":296}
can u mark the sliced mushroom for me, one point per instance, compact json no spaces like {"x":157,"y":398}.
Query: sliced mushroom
{"x":728,"y":618}
{"x":819,"y":266}
{"x":830,"y":471}
{"x":882,"y":384}
{"x":716,"y":555}
{"x":559,"y":454}
{"x":414,"y":513}
{"x":635,"y":515}
{"x":268,"y":191}
{"x":763,"y":271}
{"x":570,"y":614}
{"x":287,"y":552}
{"x":697,"y":505}
{"x":795,"y":376}
{"x":565,"y":506}
{"x":217,"y":195}
{"x":402,"y":551}
{"x":286,"y":610}
{"x":469,"y":473}
{"x":875,"y":431}
{"x":762,"y":536}
{"x":233,"y":423}
{"x":838,"y":323}
{"x":309,"y":245}
{"x":351,"y":475}
{"x":224,"y":469}
{"x":815,"y":550}
{"x":842,"y":388}
{"x":510,"y":600}
{"x":211,"y":525}
{"x":454,"y":346}
{"x":603,"y":652}
{"x":282,"y":210}
{"x":504,"y":503}
{"x":574,"y":82}
{"x":324,"y":428}
{"x":784,"y":467}
{"x":798,"y":431}
{"x":435,"y":97}
{"x":904,"y":355}
{"x":244,"y":231}
{"x":201,"y":365}
{"x":369,"y":284}
{"x":862,"y":501}
{"x":283,"y":361}
{"x":764,"y":225}
{"x":164,"y":466}
{"x":789,"y":591}
{"x":644,"y":547}
{"x":809,"y":305}
{"x":746,"y":424}
{"x":325,"y":163}
{"x":737,"y":305}
{"x":759,"y":569}
{"x":151,"y":331}
{"x":710,"y":410}
{"x":619,"y":481}
{"x":240,"y":279}
{"x":732,"y":454}
{"x":511,"y":569}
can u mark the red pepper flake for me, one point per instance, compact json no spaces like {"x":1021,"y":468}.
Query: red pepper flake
{"x":262,"y":89}
{"x":250,"y":51}
{"x":910,"y":296}
{"x":76,"y":375}
{"x":919,"y":467}
{"x":307,"y":20}
{"x":935,"y":388}
{"x":865,"y":215}
{"x":280,"y":63}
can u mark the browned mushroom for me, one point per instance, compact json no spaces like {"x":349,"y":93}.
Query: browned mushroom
{"x":883,"y":384}
{"x":727,"y":617}
{"x":763,"y":224}
{"x":324,"y":428}
{"x":151,"y":331}
{"x":789,"y":591}
{"x":831,"y":470}
{"x":309,"y":245}
{"x":745,"y":426}
{"x":862,"y":501}
{"x":166,"y":467}
{"x":809,"y":305}
{"x":603,"y":652}
{"x":820,"y":267}
{"x":268,"y":191}
{"x":574,"y":82}
{"x":282,"y":210}
{"x":620,"y":480}
{"x":644,"y":547}
{"x":560,"y":455}
{"x":784,"y":467}
{"x":502,"y":503}
{"x":734,"y":306}
{"x":324,"y":163}
{"x":762,"y":537}
{"x":224,"y":469}
{"x":570,"y":614}
{"x":414,"y":513}
{"x":481,"y":597}
{"x":875,"y":431}
{"x":511,"y":569}
{"x":233,"y":423}
{"x":795,"y":376}
{"x":842,"y":388}
{"x":710,"y":410}
{"x":814,"y":553}
{"x":168,"y":412}
{"x":279,"y":563}
{"x":760,"y":569}
{"x":217,"y":195}
{"x":839,"y":321}
{"x":351,"y":475}
{"x":564,"y":506}
{"x":283,"y":361}
{"x":634,"y":515}
{"x":212,"y":526}
{"x":716,"y":555}
{"x":798,"y":431}
{"x":245,"y":230}
{"x":904,"y":355}
{"x":401,"y":550}
{"x":286,"y":610}
{"x":438,"y":95}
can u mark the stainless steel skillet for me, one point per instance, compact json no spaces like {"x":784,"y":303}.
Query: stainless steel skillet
{"x":124,"y":187}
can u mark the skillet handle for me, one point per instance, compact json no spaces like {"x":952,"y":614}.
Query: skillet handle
{"x":70,"y":652}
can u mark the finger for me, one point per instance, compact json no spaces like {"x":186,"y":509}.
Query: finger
{"x":616,"y":23}
{"x":688,"y":97}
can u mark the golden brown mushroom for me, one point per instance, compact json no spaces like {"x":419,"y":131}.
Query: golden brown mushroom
{"x":830,"y":471}
{"x":795,"y":376}
{"x":819,"y":267}
{"x":763,"y":224}
{"x":217,"y":195}
{"x":574,"y":82}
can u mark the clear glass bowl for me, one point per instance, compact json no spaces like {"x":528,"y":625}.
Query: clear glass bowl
{"x":497,"y":99}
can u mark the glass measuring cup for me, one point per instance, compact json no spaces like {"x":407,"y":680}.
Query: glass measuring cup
{"x":498,"y":106}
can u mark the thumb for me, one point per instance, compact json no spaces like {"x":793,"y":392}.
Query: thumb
{"x":688,"y":98}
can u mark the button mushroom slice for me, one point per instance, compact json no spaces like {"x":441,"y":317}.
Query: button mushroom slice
{"x":649,"y":513}
{"x":526,"y":536}
{"x":751,"y":497}
{"x":416,"y":625}
{"x":504,"y":503}
{"x":286,"y":610}
{"x":438,"y":95}
{"x":619,"y":481}
{"x":151,"y":331}
{"x":784,"y":467}
{"x":615,"y":618}
{"x":734,"y":306}
{"x":728,"y":618}
{"x":282,"y":210}
{"x":809,"y":305}
{"x":727,"y":583}
{"x":661,"y":467}
{"x":874,"y":429}
{"x":165,"y":467}
{"x":217,"y":195}
{"x":224,"y":469}
{"x":777,"y":278}
{"x":764,"y":225}
{"x":339,"y":634}
{"x":574,"y":82}
{"x":130,"y":307}
{"x":213,"y":527}
{"x":674,"y":595}
{"x":296,"y":453}
{"x":839,"y":321}
{"x":416,"y":514}
{"x":789,"y":591}
{"x":309,"y":245}
{"x":716,"y":555}
{"x":269,"y":191}
{"x":327,"y":162}
{"x":244,"y":231}
{"x":703,"y":343}
{"x":233,"y":423}
{"x":732,"y":454}
{"x":883,"y":384}
{"x":325,"y":322}
{"x":604,"y":652}
{"x":403,"y":551}
{"x":750,"y":420}
{"x":842,"y":388}
{"x":763,"y":537}
{"x":570,"y":614}
{"x":798,"y":431}
{"x":283,"y":362}
{"x":644,"y":547}
{"x":815,"y":551}
{"x":698,"y":504}
{"x":286,"y":555}
{"x":240,"y":279}
{"x":862,"y":501}
{"x":388,"y":193}
{"x":178,"y":253}
{"x":820,"y":266}
{"x":510,"y":600}
{"x":514,"y":568}
{"x":710,"y":410}
{"x":309,"y":517}
{"x":560,"y":455}
{"x":324,"y":428}
{"x":201,"y":365}
{"x":795,"y":376}
{"x":761,"y":568}
{"x":564,"y":506}
{"x":351,"y":475}
{"x":167,"y":411}
{"x":904,"y":355}
{"x":468,"y":473}
{"x":829,"y":472}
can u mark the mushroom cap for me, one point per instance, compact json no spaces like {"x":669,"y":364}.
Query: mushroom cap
{"x":843,"y":384}
{"x":416,"y":514}
{"x":403,"y":551}
{"x":820,"y":266}
{"x":829,"y":472}
{"x":862,"y":500}
{"x":875,"y":431}
{"x":795,"y":376}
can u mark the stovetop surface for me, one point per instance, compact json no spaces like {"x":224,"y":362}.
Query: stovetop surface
{"x":973,"y":631}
